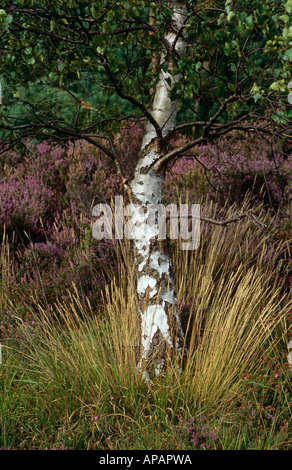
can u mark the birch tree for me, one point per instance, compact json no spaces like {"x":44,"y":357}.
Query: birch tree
{"x":205,"y":68}
{"x":160,"y":324}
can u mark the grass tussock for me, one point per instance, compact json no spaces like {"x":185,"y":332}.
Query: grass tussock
{"x":68,"y":377}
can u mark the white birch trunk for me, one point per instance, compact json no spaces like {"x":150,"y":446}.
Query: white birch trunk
{"x":161,"y":333}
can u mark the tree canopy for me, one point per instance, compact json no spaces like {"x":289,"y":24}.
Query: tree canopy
{"x":81,"y":69}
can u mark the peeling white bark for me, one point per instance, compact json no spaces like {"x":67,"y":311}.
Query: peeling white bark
{"x":155,"y":285}
{"x":164,"y":110}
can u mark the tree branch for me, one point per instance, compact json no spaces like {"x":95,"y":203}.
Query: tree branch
{"x":250,"y":214}
{"x":218,"y":113}
{"x":131,"y":99}
{"x":219,"y":132}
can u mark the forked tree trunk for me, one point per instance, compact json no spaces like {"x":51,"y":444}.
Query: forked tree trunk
{"x":161,"y":333}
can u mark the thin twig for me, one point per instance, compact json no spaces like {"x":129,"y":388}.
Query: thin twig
{"x":250,"y":214}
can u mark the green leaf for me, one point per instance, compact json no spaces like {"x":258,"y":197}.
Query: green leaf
{"x":221,"y":19}
{"x":181,"y":63}
{"x":61,"y":66}
{"x":249,"y":21}
{"x":288,"y":6}
{"x":31,"y":61}
{"x":278,"y":86}
{"x":287,"y":55}
{"x":230,"y":16}
{"x":284,"y":18}
{"x":7,"y":19}
{"x":198,"y":66}
{"x":257,"y":96}
{"x":52,"y":25}
{"x":290,"y":93}
{"x":255,"y":88}
{"x":287,"y":33}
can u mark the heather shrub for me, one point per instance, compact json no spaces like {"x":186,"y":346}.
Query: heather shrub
{"x":32,"y":194}
{"x":91,"y":178}
{"x":69,"y":259}
{"x":92,"y":175}
{"x":229,"y":170}
{"x":185,"y":180}
{"x":23,"y":202}
{"x":48,"y":198}
{"x":51,"y":181}
{"x":196,"y":434}
{"x":267,"y":181}
{"x":47,"y":203}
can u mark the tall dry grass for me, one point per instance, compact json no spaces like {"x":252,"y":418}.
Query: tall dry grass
{"x":75,"y":360}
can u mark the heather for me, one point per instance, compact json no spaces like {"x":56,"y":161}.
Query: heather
{"x":68,"y":308}
{"x":236,"y":166}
